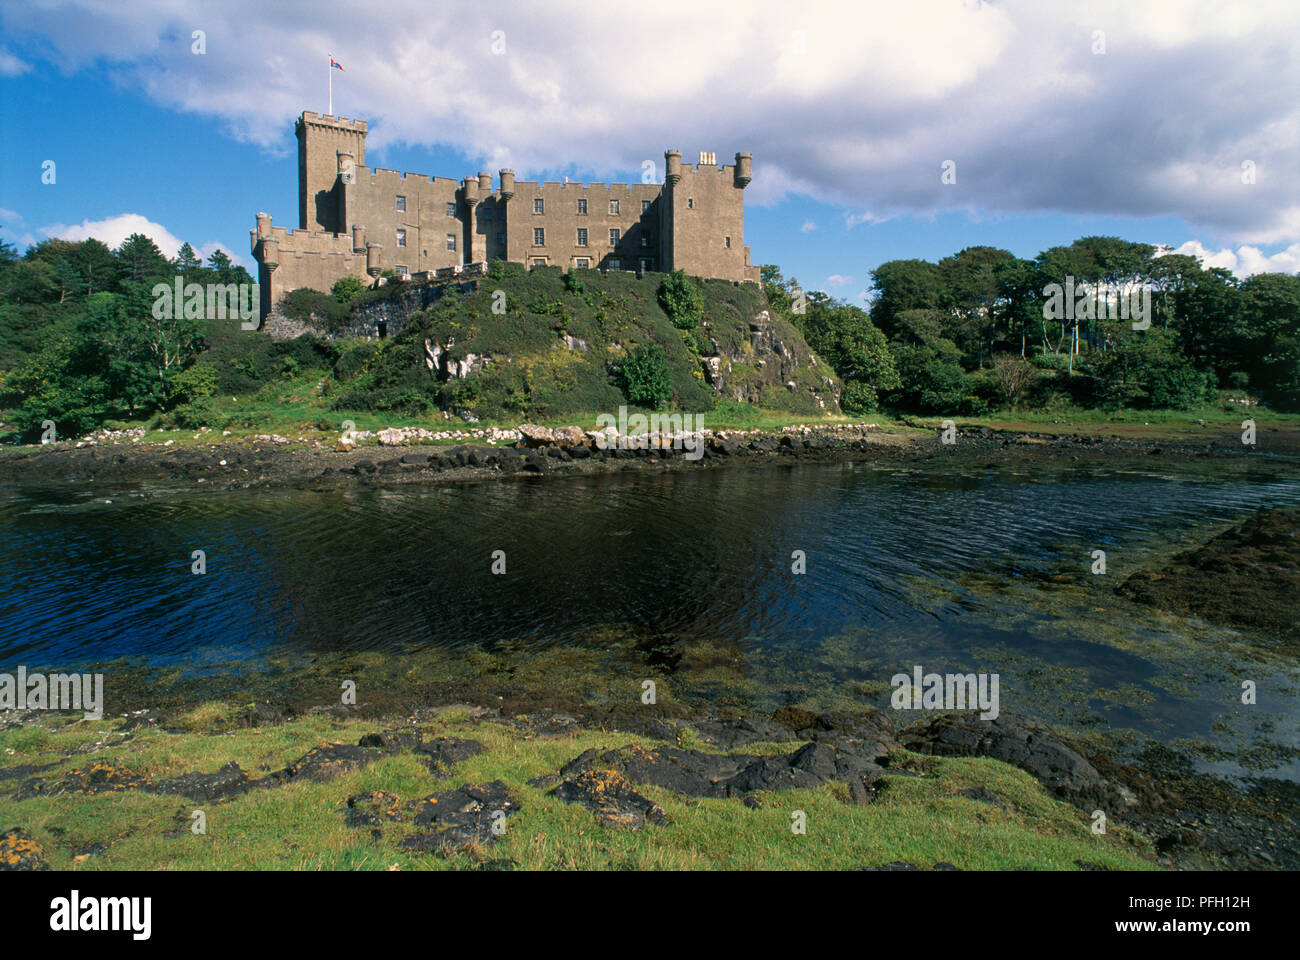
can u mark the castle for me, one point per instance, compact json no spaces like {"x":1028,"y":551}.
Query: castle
{"x":361,"y":221}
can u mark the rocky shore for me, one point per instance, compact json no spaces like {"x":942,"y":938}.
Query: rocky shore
{"x":402,"y":456}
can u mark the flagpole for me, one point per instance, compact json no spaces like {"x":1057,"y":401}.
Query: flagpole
{"x":330,"y":68}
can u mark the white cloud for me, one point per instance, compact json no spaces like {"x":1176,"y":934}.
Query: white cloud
{"x":113,"y":230}
{"x":808,"y":227}
{"x":11,"y":66}
{"x":850,"y":102}
{"x":838,"y":280}
{"x":1245,"y":260}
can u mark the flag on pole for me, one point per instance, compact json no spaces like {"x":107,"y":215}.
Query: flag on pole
{"x":334,"y":65}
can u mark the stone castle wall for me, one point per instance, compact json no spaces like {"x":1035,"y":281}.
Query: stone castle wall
{"x":357,"y":220}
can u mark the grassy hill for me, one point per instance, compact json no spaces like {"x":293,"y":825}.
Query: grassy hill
{"x":538,"y":345}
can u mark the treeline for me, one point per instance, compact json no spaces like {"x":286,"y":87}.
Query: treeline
{"x":976,"y":331}
{"x":79,"y":342}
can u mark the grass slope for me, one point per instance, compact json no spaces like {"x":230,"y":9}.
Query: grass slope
{"x":917,"y":819}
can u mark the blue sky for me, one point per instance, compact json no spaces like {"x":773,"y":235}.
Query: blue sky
{"x":848,"y":146}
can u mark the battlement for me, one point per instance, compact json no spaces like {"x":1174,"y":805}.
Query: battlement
{"x":384,"y":173}
{"x":327,"y":120}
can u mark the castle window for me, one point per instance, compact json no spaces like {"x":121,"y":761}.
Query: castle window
{"x":451,"y":209}
{"x":501,"y":239}
{"x":645,"y":206}
{"x":613,"y":236}
{"x":539,"y":237}
{"x":401,"y":270}
{"x":613,"y":208}
{"x":401,"y":204}
{"x":645,"y":239}
{"x":728,"y":243}
{"x":614,"y":263}
{"x":401,"y":238}
{"x":451,"y":241}
{"x":582,"y":236}
{"x":539,"y":205}
{"x":645,"y":264}
{"x":582,"y":207}
{"x":539,"y":262}
{"x":582,"y":263}
{"x":690,"y":203}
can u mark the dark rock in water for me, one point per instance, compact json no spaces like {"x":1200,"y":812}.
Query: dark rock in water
{"x":227,"y":782}
{"x":364,"y":466}
{"x":795,"y":718}
{"x":1024,"y":744}
{"x":1246,"y":577}
{"x":611,"y":798}
{"x":464,"y":818}
{"x":19,"y":851}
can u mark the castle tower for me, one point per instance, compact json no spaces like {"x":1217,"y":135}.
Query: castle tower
{"x":703,"y":217}
{"x":322,"y":143}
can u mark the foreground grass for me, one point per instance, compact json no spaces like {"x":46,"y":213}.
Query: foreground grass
{"x":917,"y":819}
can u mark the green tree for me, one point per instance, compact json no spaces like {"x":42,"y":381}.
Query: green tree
{"x":680,"y":297}
{"x":647,"y":379}
{"x":186,"y":258}
{"x":899,"y":285}
{"x":142,"y":260}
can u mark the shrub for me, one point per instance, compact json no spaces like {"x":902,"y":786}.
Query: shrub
{"x":858,"y":398}
{"x":346,"y":289}
{"x":647,"y":380}
{"x":681,"y":300}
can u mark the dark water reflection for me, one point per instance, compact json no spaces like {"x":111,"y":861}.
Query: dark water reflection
{"x":702,"y":556}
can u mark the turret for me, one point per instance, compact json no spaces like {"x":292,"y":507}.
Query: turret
{"x":744,"y":169}
{"x":374,"y":259}
{"x":469,"y":187}
{"x":672,"y":165}
{"x":507,"y":184}
{"x":266,"y":247}
{"x":484,"y":184}
{"x":358,"y":238}
{"x":347,"y":162}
